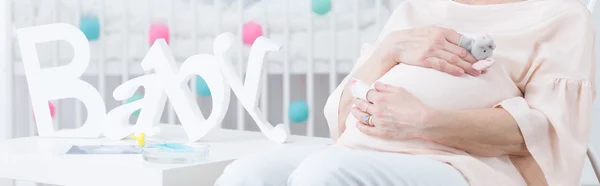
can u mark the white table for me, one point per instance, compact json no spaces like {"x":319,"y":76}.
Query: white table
{"x":42,"y":160}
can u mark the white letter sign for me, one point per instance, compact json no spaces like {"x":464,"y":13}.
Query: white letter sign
{"x":167,"y":82}
{"x":249,"y":92}
{"x":62,"y":81}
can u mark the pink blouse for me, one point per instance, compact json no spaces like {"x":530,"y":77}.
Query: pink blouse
{"x":543,"y":77}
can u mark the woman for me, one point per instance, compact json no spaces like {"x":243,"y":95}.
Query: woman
{"x":434,"y":120}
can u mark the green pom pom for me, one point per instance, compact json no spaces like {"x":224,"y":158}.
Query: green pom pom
{"x":133,"y":98}
{"x":321,"y":7}
{"x":201,"y":87}
{"x":90,"y":26}
{"x":298,"y":111}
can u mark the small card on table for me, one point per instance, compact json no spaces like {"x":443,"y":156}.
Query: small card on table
{"x":105,"y":149}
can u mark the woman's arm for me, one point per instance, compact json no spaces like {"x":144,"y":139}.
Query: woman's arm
{"x":483,"y":132}
{"x":437,"y":48}
{"x":399,"y":115}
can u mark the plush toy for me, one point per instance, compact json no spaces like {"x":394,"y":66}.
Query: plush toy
{"x":481,"y":48}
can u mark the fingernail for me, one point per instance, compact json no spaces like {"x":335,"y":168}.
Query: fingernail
{"x":354,"y":80}
{"x":485,"y":71}
{"x":353,"y":106}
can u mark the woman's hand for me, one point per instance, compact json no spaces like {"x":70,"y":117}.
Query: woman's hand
{"x":429,"y":47}
{"x":396,"y":114}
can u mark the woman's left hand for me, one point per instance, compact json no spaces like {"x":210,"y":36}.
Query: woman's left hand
{"x":395,"y":113}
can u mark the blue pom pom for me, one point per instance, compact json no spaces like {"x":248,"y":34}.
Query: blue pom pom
{"x":133,"y":98}
{"x":202,"y":87}
{"x":298,"y":111}
{"x":90,"y":26}
{"x":321,"y":7}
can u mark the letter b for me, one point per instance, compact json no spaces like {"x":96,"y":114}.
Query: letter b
{"x":62,"y":81}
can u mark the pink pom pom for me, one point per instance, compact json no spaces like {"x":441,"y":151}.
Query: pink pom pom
{"x":158,"y":31}
{"x":251,"y":31}
{"x":52,"y":109}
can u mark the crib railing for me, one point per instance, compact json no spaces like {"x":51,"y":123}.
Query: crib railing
{"x":319,"y":48}
{"x":320,"y":45}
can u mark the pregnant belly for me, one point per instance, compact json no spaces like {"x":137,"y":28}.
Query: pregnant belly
{"x":438,"y":90}
{"x":444,"y":91}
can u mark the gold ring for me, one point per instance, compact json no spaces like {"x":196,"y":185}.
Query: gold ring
{"x":370,"y":121}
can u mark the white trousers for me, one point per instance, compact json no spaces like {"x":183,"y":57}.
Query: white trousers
{"x":320,"y":165}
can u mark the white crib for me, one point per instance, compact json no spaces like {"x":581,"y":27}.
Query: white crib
{"x":318,"y":50}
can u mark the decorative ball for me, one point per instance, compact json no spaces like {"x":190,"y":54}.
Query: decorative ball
{"x":158,"y":31}
{"x":298,"y":111}
{"x":250,"y":32}
{"x":202,"y":87}
{"x":321,"y":7}
{"x":90,"y":26}
{"x":133,"y":98}
{"x":52,"y":109}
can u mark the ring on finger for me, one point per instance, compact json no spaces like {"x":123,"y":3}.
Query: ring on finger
{"x":367,"y":118}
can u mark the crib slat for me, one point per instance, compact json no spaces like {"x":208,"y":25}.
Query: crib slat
{"x":102,"y":61}
{"x":240,"y":108}
{"x":217,"y":28}
{"x":286,"y":67}
{"x":6,"y":82}
{"x":149,"y":23}
{"x":264,"y":101}
{"x":378,"y":5}
{"x":32,"y":124}
{"x":356,"y":28}
{"x":171,"y":25}
{"x":333,"y":48}
{"x":78,"y":105}
{"x":310,"y":126}
{"x":55,"y":62}
{"x":7,"y":76}
{"x":194,"y":44}
{"x":30,"y":118}
{"x":147,"y":30}
{"x":125,"y":60}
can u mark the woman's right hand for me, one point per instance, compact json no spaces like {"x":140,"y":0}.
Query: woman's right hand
{"x":429,"y":47}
